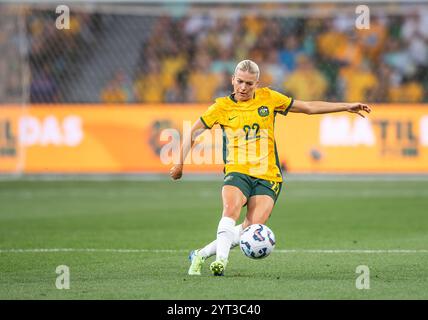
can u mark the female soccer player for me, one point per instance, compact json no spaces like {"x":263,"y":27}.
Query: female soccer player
{"x":252,"y":172}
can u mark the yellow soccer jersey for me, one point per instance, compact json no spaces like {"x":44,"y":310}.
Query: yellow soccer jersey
{"x":248,"y":132}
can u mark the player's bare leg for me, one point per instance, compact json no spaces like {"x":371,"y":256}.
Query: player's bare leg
{"x":259,"y":208}
{"x":233,"y":201}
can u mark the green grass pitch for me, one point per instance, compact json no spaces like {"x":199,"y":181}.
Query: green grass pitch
{"x":170,"y":218}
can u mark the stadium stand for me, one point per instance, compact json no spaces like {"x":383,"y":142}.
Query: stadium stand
{"x":180,"y":58}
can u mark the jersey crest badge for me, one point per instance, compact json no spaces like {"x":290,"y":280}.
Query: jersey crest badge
{"x":263,"y":111}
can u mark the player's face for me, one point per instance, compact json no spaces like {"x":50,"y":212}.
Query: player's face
{"x":244,"y":84}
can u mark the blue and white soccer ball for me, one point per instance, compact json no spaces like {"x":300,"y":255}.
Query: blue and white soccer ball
{"x":257,"y":241}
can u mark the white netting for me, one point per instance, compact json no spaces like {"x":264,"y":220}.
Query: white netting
{"x":187,"y":52}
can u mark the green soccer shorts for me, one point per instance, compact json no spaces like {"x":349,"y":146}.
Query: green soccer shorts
{"x":251,"y":186}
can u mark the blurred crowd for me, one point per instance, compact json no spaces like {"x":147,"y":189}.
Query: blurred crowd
{"x":10,"y":63}
{"x":54,"y":55}
{"x":192,"y":59}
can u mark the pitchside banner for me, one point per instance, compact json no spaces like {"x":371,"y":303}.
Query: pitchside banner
{"x":145,"y":139}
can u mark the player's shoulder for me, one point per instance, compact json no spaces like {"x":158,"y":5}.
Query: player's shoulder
{"x":223,"y":102}
{"x":263,"y":92}
{"x":268,"y":93}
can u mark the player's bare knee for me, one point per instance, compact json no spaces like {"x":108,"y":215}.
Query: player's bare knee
{"x":232,"y":210}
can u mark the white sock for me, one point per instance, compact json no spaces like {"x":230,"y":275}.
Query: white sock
{"x":237,"y":235}
{"x":210,"y":249}
{"x":225,"y":237}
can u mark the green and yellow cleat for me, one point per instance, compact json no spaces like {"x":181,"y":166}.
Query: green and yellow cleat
{"x":196,"y":263}
{"x":217,"y":267}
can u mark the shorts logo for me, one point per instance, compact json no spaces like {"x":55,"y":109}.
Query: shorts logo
{"x":228,"y":178}
{"x":263,"y":111}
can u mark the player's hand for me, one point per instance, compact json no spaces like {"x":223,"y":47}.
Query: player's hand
{"x":358,"y":107}
{"x":176,"y":171}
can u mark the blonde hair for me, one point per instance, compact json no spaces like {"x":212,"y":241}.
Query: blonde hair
{"x":248,"y":66}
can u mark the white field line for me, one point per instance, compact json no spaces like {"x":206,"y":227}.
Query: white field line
{"x":321,"y":251}
{"x":351,"y":251}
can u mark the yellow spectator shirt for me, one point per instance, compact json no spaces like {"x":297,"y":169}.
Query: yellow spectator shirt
{"x":248,"y":132}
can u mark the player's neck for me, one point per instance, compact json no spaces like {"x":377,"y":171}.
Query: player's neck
{"x":233,"y":97}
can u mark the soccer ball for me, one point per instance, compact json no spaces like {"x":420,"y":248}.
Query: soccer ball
{"x":257,"y":241}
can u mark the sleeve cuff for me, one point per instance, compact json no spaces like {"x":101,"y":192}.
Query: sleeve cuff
{"x":204,"y":123}
{"x":285,"y":112}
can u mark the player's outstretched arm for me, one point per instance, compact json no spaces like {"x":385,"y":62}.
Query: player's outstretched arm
{"x":319,"y":107}
{"x":177,"y":170}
